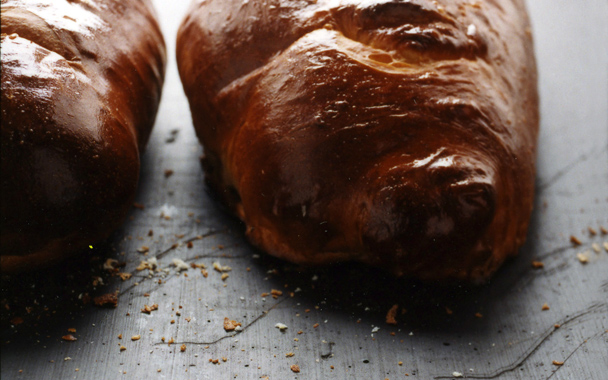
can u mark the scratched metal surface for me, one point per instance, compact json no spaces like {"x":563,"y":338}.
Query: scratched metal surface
{"x":510,"y":338}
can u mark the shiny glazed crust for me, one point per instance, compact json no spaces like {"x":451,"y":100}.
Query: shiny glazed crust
{"x":81,"y":83}
{"x":401,"y":134}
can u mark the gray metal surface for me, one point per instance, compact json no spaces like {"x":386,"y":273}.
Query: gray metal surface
{"x":497,"y":331}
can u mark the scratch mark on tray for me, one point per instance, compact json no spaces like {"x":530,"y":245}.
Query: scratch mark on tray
{"x":594,"y":308}
{"x":585,"y":341}
{"x":264,"y":313}
{"x":564,"y":170}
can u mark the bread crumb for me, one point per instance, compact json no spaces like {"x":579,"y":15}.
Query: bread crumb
{"x":110,"y":265}
{"x":221,"y":268}
{"x":391,"y":314}
{"x":582,"y":257}
{"x":596,"y":248}
{"x":179,"y":264}
{"x":69,"y":338}
{"x":281,"y":326}
{"x":537,"y":264}
{"x":122,"y":348}
{"x":106,"y":300}
{"x":574,"y":240}
{"x":289,"y":354}
{"x":125,"y":276}
{"x":457,"y":374}
{"x":295,"y":368}
{"x":478,"y":315}
{"x":545,"y":307}
{"x":230,"y":325}
{"x":182,"y":348}
{"x":143,"y":249}
{"x":148,"y":309}
{"x":135,"y":337}
{"x":592,"y":231}
{"x":557,"y":363}
{"x":224,"y":276}
{"x":150,"y":264}
{"x":72,"y":330}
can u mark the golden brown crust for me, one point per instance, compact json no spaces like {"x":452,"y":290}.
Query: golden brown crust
{"x":401,"y":134}
{"x":81,"y":83}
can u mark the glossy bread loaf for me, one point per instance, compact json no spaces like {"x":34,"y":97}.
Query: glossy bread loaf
{"x":401,"y":134}
{"x":81,"y":83}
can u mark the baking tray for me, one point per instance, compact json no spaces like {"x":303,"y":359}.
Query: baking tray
{"x":336,"y":316}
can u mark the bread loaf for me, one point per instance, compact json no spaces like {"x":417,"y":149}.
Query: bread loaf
{"x":401,"y":134}
{"x":81,"y":83}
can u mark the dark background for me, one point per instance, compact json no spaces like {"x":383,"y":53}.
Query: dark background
{"x":496,"y":331}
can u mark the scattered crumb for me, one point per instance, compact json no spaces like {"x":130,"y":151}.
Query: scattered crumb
{"x":148,"y":309}
{"x":582,"y":257}
{"x":448,"y":311}
{"x":457,"y":374}
{"x":168,"y":173}
{"x":110,"y":265}
{"x":538,"y":264}
{"x":69,"y":338}
{"x":557,"y":363}
{"x":179,"y":264}
{"x":125,"y":276}
{"x":139,"y":206}
{"x":295,"y":368}
{"x":224,"y":276}
{"x":119,"y":336}
{"x":606,"y":246}
{"x":545,"y":307}
{"x":72,"y":330}
{"x":596,"y":248}
{"x":204,"y":273}
{"x":182,"y":348}
{"x":143,"y":249}
{"x":221,"y":268}
{"x":122,"y":348}
{"x":574,"y":240}
{"x":478,"y":315}
{"x":281,"y":326}
{"x":135,"y":337}
{"x":150,"y":264}
{"x":106,"y":300}
{"x":557,"y":326}
{"x":400,"y":363}
{"x":592,"y":231}
{"x":391,"y":314}
{"x":289,"y":354}
{"x":604,"y":231}
{"x":17,"y":321}
{"x":230,"y":325}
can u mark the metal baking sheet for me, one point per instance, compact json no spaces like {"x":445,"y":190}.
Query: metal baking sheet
{"x":335,"y":316}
